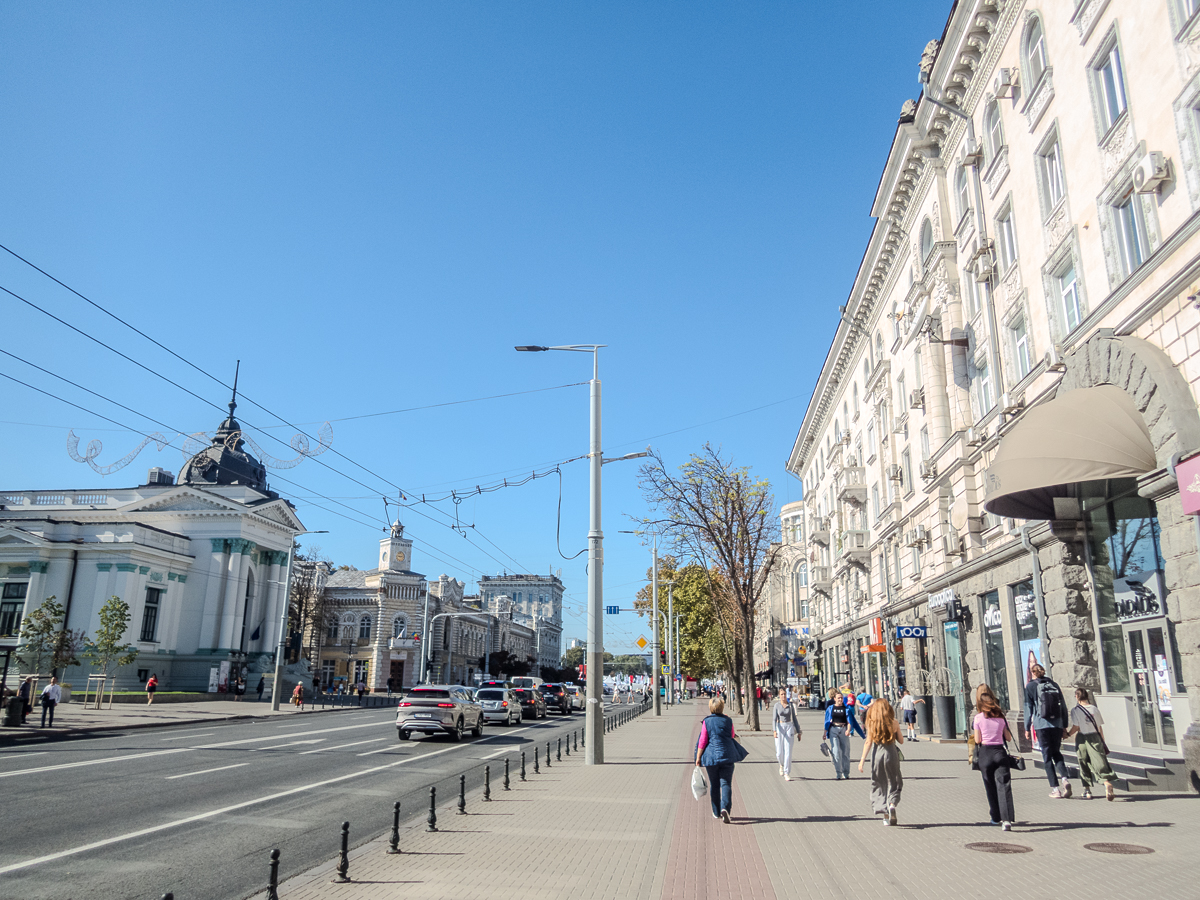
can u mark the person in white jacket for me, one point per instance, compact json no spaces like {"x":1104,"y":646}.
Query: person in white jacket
{"x":786,"y":729}
{"x":51,"y":694}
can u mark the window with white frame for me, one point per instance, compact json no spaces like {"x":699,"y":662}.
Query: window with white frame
{"x":993,"y":132}
{"x":856,"y":398}
{"x":399,"y":627}
{"x":364,"y":628}
{"x":1052,"y":174}
{"x":875,"y":501}
{"x":1110,"y":85}
{"x":1068,"y":293}
{"x":1036,"y":58}
{"x":970,"y":292}
{"x":1130,"y":225}
{"x":901,"y":397}
{"x":871,"y":446}
{"x":906,"y":469}
{"x":1022,"y":356}
{"x":331,"y":631}
{"x":926,"y":239}
{"x":962,"y":191}
{"x":918,"y":375}
{"x":1006,"y":238}
{"x":983,"y":387}
{"x":328,"y":670}
{"x":925,"y":442}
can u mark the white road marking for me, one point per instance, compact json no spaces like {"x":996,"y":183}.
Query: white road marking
{"x":96,"y":762}
{"x":288,"y":744}
{"x":343,"y":746}
{"x":11,"y":756}
{"x":480,"y":741}
{"x":184,"y":737}
{"x":199,"y":817}
{"x":206,"y":771}
{"x":268,"y":737}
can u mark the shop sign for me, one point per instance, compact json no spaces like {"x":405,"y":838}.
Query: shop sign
{"x":1139,"y":596}
{"x":1188,"y":473}
{"x":910,"y":631}
{"x":943,"y":600}
{"x":877,"y":631}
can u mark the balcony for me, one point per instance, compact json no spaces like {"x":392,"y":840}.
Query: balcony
{"x":820,"y":531}
{"x":882,"y":367}
{"x":822,"y":580}
{"x":853,"y":487}
{"x":855,"y":546}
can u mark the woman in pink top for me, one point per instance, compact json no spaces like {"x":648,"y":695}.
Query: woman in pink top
{"x":991,"y":731}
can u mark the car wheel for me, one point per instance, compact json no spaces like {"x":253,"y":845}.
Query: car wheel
{"x":403,"y":734}
{"x":457,"y":734}
{"x":477,"y":731}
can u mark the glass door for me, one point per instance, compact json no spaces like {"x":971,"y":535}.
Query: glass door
{"x":954,"y":665}
{"x":1151,"y":672}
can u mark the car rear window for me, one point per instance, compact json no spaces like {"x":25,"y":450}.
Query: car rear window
{"x":551,"y":688}
{"x":427,"y":694}
{"x":491,"y":695}
{"x":522,"y":693}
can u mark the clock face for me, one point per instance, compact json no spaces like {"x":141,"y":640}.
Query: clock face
{"x":384,"y":557}
{"x":399,"y":556}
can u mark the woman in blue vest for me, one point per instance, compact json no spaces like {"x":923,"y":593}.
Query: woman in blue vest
{"x":839,"y":724}
{"x":718,"y":750}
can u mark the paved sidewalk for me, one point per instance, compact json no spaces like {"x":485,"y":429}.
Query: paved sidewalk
{"x":631,"y":829}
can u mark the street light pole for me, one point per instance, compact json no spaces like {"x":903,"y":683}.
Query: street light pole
{"x":655,"y":644}
{"x":670,"y":642}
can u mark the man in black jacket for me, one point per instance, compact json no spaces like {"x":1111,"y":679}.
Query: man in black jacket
{"x":1046,"y":716}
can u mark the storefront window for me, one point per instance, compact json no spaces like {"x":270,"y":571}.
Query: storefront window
{"x":993,"y":642}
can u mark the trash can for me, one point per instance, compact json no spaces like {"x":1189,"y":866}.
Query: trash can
{"x":945,"y":714}
{"x":12,"y":711}
{"x":925,"y":715}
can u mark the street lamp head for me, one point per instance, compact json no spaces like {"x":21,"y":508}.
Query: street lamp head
{"x":530,"y":348}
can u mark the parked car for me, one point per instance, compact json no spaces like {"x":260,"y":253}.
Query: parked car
{"x":533,"y":704}
{"x":438,"y":708}
{"x":577,"y":695}
{"x":500,"y":705}
{"x":556,"y":698}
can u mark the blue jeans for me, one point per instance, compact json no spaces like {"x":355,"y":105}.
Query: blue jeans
{"x":720,"y":786}
{"x":839,"y":749}
{"x":1050,"y":742}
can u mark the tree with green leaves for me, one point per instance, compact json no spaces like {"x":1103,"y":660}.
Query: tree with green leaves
{"x":692,"y":599}
{"x":107,"y":649}
{"x":39,"y":637}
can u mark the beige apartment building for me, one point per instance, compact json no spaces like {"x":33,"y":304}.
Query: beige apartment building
{"x":989,"y":459}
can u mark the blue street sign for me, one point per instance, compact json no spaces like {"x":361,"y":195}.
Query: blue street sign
{"x":910,"y":631}
{"x":612,"y":610}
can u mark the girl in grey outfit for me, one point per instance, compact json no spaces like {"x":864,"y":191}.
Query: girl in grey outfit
{"x":786,"y":729}
{"x":883,"y":742}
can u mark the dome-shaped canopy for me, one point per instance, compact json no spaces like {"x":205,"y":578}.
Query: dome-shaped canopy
{"x":226,"y":461}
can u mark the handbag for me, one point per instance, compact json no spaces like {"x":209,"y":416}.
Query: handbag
{"x":824,"y":748}
{"x":1014,"y":762}
{"x":740,"y":751}
{"x":699,"y":786}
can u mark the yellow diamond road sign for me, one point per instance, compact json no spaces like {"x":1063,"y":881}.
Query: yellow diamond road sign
{"x":641,"y":642}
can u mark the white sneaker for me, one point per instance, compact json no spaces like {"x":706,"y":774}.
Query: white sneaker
{"x":781,"y":770}
{"x":1006,"y":826}
{"x":787,"y":777}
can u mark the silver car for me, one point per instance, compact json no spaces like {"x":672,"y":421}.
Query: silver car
{"x":500,"y":705}
{"x":576,"y":693}
{"x":438,"y":709}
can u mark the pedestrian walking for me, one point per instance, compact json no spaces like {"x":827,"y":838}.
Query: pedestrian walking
{"x":259,"y":688}
{"x":1090,"y":746}
{"x":908,"y":706}
{"x":239,"y":689}
{"x":362,"y":689}
{"x":839,"y":724}
{"x":863,"y":701}
{"x":25,"y":692}
{"x":786,"y":728}
{"x":151,"y":687}
{"x":991,"y":756}
{"x":298,"y":696}
{"x":51,"y":694}
{"x":1046,"y":711}
{"x":883,"y":741}
{"x":758,"y":692}
{"x":718,"y":750}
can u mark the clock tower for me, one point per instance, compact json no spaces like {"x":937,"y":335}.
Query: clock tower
{"x":395,"y":551}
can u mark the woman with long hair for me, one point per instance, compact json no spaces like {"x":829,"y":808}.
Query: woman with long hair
{"x":839,"y":725}
{"x":991,"y":732}
{"x":883,"y":740}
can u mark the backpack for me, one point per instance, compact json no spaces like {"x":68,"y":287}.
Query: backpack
{"x":1050,"y":701}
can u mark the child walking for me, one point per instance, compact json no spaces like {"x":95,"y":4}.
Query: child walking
{"x":883,"y":742}
{"x":1087,"y":726}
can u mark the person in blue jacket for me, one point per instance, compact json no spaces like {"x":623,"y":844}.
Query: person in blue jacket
{"x":718,"y":750}
{"x":839,"y":723}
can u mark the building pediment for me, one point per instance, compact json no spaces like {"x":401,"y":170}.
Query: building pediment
{"x":184,"y":499}
{"x":279,"y":512}
{"x":14,"y":537}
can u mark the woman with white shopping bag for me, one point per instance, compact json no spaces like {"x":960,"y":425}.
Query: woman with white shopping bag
{"x":786,"y":728}
{"x":718,"y":750}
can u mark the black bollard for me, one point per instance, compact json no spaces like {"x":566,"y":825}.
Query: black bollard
{"x":558,"y":752}
{"x":432,"y":810}
{"x":487,"y":784}
{"x":547,"y":754}
{"x":462,"y":795}
{"x":568,"y":745}
{"x":343,"y":866}
{"x":394,"y":842}
{"x":536,"y":770}
{"x":273,"y":878}
{"x":506,"y":787}
{"x":584,"y":741}
{"x":522,"y":765}
{"x":168,"y":896}
{"x":576,"y":741}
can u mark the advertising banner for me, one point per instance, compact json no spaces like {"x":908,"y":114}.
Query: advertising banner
{"x":1188,"y":473}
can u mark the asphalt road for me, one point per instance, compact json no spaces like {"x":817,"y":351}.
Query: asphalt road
{"x":197,"y":809}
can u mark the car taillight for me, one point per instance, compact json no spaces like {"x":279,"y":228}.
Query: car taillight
{"x":405,"y":703}
{"x":504,"y":703}
{"x":446,"y":706}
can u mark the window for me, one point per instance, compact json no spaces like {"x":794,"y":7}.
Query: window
{"x":925,"y":442}
{"x":878,"y":347}
{"x":16,"y":590}
{"x":926,"y":239}
{"x":962,"y":192}
{"x":331,"y":631}
{"x":1052,"y":175}
{"x":1068,"y":291}
{"x":901,"y":397}
{"x":10,"y":617}
{"x":399,"y":627}
{"x":970,"y":289}
{"x":364,"y":628}
{"x":983,"y":380}
{"x":856,"y":398}
{"x":866,"y":370}
{"x":1020,"y":341}
{"x":871,"y":437}
{"x":150,"y":614}
{"x":875,"y":501}
{"x":328,"y":670}
{"x":906,"y":471}
{"x":1131,"y":232}
{"x":918,"y":375}
{"x":1110,"y":83}
{"x":1035,"y":54}
{"x":1006,"y":237}
{"x":360,"y":671}
{"x":993,"y":134}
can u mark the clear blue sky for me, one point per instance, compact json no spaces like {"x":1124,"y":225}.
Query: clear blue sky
{"x":369,"y":204}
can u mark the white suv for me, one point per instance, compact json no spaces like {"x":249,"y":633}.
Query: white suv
{"x":438,"y":708}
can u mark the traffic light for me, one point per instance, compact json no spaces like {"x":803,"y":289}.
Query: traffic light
{"x":662,"y":657}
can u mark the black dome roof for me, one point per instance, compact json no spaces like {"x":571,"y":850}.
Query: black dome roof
{"x":226,"y":461}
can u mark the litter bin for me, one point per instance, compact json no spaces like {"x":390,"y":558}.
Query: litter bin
{"x":945,"y":714}
{"x":925,"y":715}
{"x":13,"y":708}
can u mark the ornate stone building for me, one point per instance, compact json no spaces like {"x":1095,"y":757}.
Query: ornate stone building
{"x":537,"y":599}
{"x":781,"y":627}
{"x":989,"y":457}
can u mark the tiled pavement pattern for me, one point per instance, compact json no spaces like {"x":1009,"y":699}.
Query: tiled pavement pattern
{"x":631,"y":829}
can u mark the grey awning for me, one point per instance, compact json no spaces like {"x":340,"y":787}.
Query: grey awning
{"x":1085,"y":435}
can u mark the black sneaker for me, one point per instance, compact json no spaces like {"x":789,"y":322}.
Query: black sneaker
{"x":725,"y":816}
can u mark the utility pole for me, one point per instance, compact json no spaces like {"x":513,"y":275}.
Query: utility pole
{"x":655,"y":642}
{"x":670,"y":643}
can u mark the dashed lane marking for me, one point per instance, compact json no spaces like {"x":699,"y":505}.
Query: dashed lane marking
{"x":206,"y":771}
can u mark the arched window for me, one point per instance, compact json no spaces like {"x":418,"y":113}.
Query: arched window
{"x":856,"y":398}
{"x":399,"y":627}
{"x":962,"y":192}
{"x":331,"y":630}
{"x":926,"y":239}
{"x":878,"y":346}
{"x":364,"y":628}
{"x":993,"y":132}
{"x":1034,"y":54}
{"x":866,"y":369}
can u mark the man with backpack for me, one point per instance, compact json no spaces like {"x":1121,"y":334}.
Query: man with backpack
{"x":1046,"y":716}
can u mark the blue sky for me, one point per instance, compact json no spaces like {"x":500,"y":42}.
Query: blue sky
{"x":369,"y":204}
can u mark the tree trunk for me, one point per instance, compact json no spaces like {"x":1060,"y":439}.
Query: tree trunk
{"x":748,"y":663}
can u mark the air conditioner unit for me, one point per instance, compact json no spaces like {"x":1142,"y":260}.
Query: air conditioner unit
{"x":922,"y":534}
{"x":916,"y":399}
{"x":845,"y":438}
{"x":1151,"y":171}
{"x":976,"y":436}
{"x":952,"y":544}
{"x":1054,"y":359}
{"x":895,"y":472}
{"x":160,"y":476}
{"x":1010,"y":404}
{"x":1006,"y":80}
{"x":928,"y":469}
{"x":985,"y":265}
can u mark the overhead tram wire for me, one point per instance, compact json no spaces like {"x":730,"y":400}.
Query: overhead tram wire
{"x":372,"y":525}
